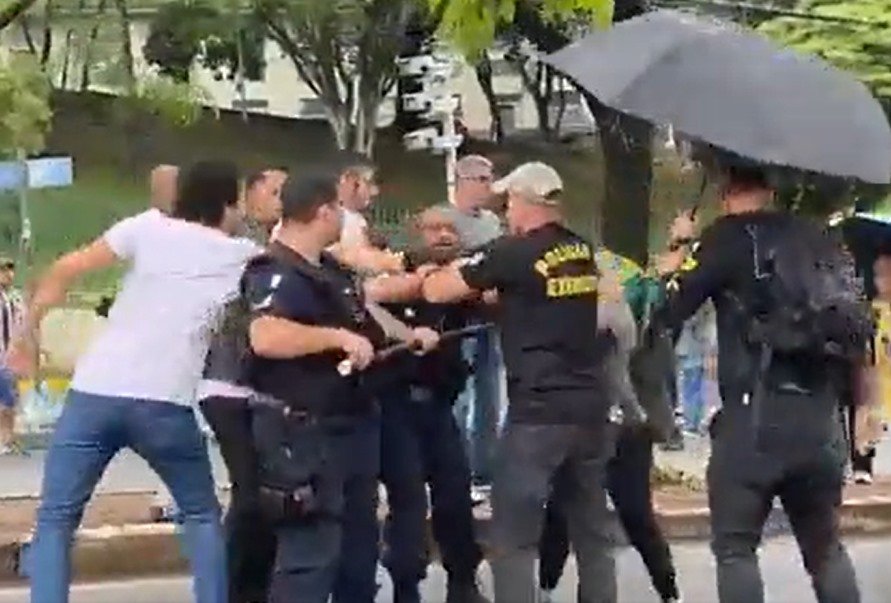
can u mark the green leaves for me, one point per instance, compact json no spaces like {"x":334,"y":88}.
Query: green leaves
{"x":177,"y":103}
{"x":25,"y":112}
{"x":858,"y":42}
{"x":471,"y":25}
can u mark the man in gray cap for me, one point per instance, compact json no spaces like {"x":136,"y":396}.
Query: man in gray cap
{"x":557,"y":420}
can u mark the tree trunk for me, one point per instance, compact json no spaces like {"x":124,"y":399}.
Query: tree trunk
{"x":47,"y":46}
{"x":126,"y":46}
{"x":91,"y":44}
{"x":484,"y":76}
{"x":13,"y":11}
{"x":66,"y":60}
{"x":628,"y":165}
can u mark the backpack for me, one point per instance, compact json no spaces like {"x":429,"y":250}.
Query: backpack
{"x":807,"y":300}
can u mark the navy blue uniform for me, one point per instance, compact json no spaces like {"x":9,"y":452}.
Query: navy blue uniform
{"x":334,"y":549}
{"x":421,"y":444}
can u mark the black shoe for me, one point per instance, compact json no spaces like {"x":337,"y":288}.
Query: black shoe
{"x":464,"y":591}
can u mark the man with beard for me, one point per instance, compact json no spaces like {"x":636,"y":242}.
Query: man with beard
{"x":420,"y":441}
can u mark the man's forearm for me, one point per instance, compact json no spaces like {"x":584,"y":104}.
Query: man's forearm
{"x":394,"y":289}
{"x":278,"y":338}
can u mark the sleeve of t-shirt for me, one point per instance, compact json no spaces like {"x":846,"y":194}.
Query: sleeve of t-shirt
{"x":495,"y":266}
{"x":270,"y":291}
{"x":124,"y":236}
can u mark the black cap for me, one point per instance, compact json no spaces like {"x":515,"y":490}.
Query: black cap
{"x":303,"y":195}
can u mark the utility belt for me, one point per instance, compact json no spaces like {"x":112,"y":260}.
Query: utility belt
{"x":293,"y":450}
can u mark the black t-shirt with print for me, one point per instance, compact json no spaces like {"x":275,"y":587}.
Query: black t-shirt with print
{"x":547,"y":286}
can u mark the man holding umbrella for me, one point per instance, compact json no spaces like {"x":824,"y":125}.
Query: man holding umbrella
{"x":790,"y":323}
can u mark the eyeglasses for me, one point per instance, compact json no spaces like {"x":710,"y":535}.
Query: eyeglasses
{"x":486,"y":178}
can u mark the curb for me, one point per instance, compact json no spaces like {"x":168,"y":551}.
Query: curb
{"x":152,"y":549}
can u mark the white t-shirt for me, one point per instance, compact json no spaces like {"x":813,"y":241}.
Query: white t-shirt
{"x":155,"y":341}
{"x":354,"y":227}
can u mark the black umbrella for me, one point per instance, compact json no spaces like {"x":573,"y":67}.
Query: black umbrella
{"x":736,"y":90}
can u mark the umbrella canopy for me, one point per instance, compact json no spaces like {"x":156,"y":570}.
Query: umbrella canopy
{"x":736,"y":90}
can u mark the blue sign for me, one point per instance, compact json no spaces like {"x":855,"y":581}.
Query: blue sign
{"x":12,"y":175}
{"x":45,"y":172}
{"x":48,"y":172}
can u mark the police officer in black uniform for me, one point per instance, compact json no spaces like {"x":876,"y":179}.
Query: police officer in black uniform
{"x":316,"y":428}
{"x":420,"y":440}
{"x":546,"y":280}
{"x":777,"y":433}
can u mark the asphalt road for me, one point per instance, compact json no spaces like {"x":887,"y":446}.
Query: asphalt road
{"x":785,"y":579}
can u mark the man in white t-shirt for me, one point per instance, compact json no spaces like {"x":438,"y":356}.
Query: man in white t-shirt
{"x":135,"y":385}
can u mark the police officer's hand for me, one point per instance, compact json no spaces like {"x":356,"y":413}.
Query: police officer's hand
{"x":359,"y":351}
{"x":426,"y":339}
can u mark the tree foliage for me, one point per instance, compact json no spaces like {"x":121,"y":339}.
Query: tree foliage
{"x":471,"y":25}
{"x":858,"y":42}
{"x":25,"y":112}
{"x":345,"y":51}
{"x":10,"y":10}
{"x":184,"y":32}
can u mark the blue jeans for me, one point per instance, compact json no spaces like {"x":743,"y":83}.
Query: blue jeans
{"x":478,"y":409}
{"x":692,"y":394}
{"x":91,"y":430}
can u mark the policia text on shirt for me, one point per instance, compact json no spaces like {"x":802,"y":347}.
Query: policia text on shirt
{"x":546,"y":280}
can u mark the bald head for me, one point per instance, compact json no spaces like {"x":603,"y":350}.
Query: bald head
{"x":162,"y":184}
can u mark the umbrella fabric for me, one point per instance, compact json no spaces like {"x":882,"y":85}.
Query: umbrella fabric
{"x":736,"y":90}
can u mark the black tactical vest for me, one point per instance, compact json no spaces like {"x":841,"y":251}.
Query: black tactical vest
{"x":312,"y":383}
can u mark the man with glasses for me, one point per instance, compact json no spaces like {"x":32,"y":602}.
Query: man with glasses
{"x":10,"y":318}
{"x":479,"y":407}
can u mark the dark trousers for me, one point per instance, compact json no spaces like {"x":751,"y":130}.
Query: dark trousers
{"x":420,"y":445}
{"x":528,"y":459}
{"x":805,"y":469}
{"x":334,"y":553}
{"x":250,"y":540}
{"x":628,"y":483}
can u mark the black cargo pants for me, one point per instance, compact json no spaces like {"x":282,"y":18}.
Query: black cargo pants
{"x":628,"y":484}
{"x":250,"y":539}
{"x":798,"y":454}
{"x":529,"y":456}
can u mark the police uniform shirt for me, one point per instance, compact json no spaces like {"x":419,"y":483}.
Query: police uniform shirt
{"x":547,"y":285}
{"x":277,"y":288}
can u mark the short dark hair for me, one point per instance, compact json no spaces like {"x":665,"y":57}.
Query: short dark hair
{"x":205,"y":190}
{"x":746,"y":177}
{"x":303,"y":196}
